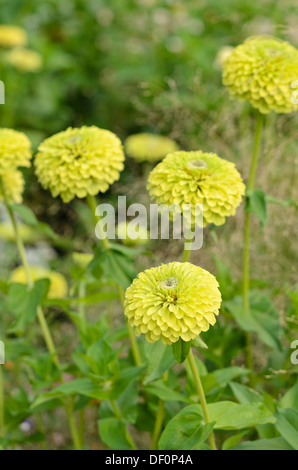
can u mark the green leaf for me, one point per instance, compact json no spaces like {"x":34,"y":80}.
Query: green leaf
{"x":164,"y":392}
{"x":278,"y":443}
{"x":25,"y":214}
{"x":233,"y":440}
{"x":244,"y":394}
{"x":220,"y":378}
{"x":24,"y":300}
{"x":180,"y":350}
{"x":290,"y":399}
{"x":287,"y":425}
{"x":113,"y":433}
{"x":114,"y":265}
{"x":256,"y":203}
{"x":82,"y":386}
{"x":186,"y":431}
{"x":230,"y":415}
{"x":159,"y":359}
{"x":261,"y":318}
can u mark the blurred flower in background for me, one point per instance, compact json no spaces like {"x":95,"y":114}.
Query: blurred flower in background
{"x":58,"y":285}
{"x":145,"y":147}
{"x":12,"y":36}
{"x":13,"y":183}
{"x":24,"y":60}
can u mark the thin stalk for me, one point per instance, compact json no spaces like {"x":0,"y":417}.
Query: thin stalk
{"x":2,"y":420}
{"x":186,"y":252}
{"x":41,"y":429}
{"x":105,"y":242}
{"x":199,"y":386}
{"x":246,"y":251}
{"x":40,"y":315}
{"x":118,"y":415}
{"x":159,"y":421}
{"x":133,"y":340}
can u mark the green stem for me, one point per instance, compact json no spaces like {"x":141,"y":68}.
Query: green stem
{"x":119,"y":416}
{"x":40,"y":315}
{"x":199,"y":386}
{"x":41,"y":429}
{"x":133,"y":340}
{"x":186,"y":252}
{"x":82,"y":294}
{"x":134,"y":345}
{"x":2,"y":419}
{"x":159,"y":421}
{"x":246,"y":254}
{"x":93,"y":205}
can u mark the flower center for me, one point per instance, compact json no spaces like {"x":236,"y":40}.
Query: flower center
{"x":197,"y":164}
{"x":169,"y":283}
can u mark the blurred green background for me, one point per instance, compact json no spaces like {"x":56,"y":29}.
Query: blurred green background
{"x":148,"y":65}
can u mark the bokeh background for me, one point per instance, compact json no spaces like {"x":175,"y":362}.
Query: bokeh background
{"x":146,"y":65}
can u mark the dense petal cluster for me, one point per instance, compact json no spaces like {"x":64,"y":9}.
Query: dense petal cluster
{"x":147,"y":147}
{"x":15,"y":150}
{"x":263,"y":70}
{"x":172,"y":301}
{"x":24,"y":60}
{"x":13,"y":183}
{"x":198,"y":178}
{"x":58,"y":285}
{"x":79,"y":162}
{"x":12,"y":36}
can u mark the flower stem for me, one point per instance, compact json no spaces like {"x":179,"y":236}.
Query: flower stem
{"x":2,"y":420}
{"x":134,"y":345}
{"x":40,"y":315}
{"x":159,"y":421}
{"x":186,"y":252}
{"x":246,"y":255}
{"x":119,"y":416}
{"x":133,"y":341}
{"x":199,"y":386}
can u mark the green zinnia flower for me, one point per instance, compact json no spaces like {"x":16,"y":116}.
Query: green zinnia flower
{"x":13,"y":183}
{"x":172,"y":301}
{"x":262,"y":71}
{"x":198,"y":178}
{"x":79,"y":162}
{"x":15,"y":150}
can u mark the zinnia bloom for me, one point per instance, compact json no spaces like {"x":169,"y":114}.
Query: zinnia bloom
{"x":12,"y":36}
{"x":15,"y":150}
{"x":24,"y":60}
{"x":146,"y":147}
{"x":79,"y":161}
{"x":198,"y":178}
{"x":172,"y":301}
{"x":13,"y":183}
{"x":58,"y":285}
{"x":262,"y":71}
